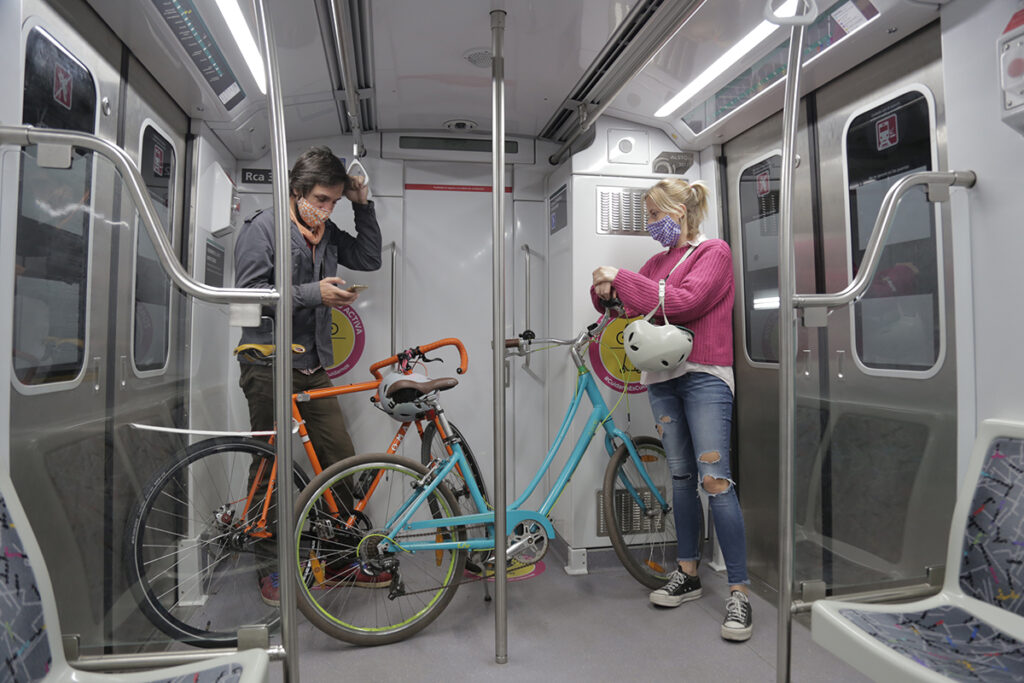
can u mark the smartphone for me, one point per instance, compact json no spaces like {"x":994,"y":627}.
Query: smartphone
{"x":358,"y":288}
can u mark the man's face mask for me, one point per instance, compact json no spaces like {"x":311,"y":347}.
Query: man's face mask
{"x":665,"y":230}
{"x":312,"y":216}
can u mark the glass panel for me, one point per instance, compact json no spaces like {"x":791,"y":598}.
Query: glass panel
{"x":833,"y":25}
{"x":53,"y":221}
{"x":897,"y":323}
{"x":152,"y":284}
{"x":759,"y":232}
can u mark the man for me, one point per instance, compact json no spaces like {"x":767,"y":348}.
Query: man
{"x":316,"y":183}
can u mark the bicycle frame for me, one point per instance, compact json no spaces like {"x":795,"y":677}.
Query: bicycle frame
{"x":260,"y":526}
{"x":600,"y":416}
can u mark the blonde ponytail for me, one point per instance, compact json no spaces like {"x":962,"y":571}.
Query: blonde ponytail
{"x":671,"y":195}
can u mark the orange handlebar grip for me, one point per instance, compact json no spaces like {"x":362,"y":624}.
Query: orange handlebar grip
{"x":448,"y":341}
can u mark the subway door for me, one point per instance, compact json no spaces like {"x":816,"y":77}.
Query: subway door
{"x":447,"y":286}
{"x":150,"y":362}
{"x":754,"y":167}
{"x":891,"y":455}
{"x":60,"y":389}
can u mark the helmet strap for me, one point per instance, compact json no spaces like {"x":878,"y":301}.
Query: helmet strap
{"x":661,"y":289}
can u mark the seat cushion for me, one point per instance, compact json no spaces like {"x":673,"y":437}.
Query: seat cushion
{"x":947,"y":640}
{"x":992,"y":568}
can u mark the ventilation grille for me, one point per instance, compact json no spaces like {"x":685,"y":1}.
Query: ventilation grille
{"x":627,"y":512}
{"x":620,"y":211}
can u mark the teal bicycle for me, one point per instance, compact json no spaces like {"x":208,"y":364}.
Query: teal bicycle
{"x":408,"y":530}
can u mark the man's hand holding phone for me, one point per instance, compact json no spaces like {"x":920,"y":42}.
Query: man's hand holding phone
{"x":333,"y":292}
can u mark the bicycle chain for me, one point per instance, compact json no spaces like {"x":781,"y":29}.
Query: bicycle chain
{"x":426,"y":534}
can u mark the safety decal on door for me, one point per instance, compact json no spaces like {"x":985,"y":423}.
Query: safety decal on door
{"x":886,"y":133}
{"x":158,"y":160}
{"x":348,"y":338}
{"x":62,"y":86}
{"x":609,"y":361}
{"x":764,"y":184}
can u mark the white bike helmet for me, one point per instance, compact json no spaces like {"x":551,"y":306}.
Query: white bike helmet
{"x":657,"y":347}
{"x":405,"y":402}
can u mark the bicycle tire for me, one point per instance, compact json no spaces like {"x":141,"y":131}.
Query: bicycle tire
{"x":194,"y":570}
{"x":334,"y":557}
{"x":646,"y":546}
{"x":433,"y":448}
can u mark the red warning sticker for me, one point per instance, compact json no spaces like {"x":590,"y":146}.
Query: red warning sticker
{"x":62,"y":86}
{"x":887,"y":133}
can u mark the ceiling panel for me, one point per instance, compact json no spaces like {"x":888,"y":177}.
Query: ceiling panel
{"x":423,"y":79}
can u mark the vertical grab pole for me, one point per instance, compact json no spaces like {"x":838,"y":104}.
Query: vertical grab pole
{"x":393,"y":246}
{"x":283,"y":341}
{"x":498,"y":302}
{"x":787,"y":344}
{"x":526,"y":301}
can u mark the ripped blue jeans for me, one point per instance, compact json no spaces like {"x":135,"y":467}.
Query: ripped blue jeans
{"x":693,"y":414}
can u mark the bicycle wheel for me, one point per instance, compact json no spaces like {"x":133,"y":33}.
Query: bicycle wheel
{"x":349,"y":588}
{"x":433,"y":448}
{"x":645,"y":544}
{"x":191,"y":549}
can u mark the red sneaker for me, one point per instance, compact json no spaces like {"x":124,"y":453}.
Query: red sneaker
{"x":354,"y":574}
{"x":270,"y":589}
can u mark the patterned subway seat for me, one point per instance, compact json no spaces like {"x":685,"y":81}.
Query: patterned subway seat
{"x":950,"y":640}
{"x":947,"y":640}
{"x":24,"y":643}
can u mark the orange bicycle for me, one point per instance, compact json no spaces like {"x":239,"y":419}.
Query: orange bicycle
{"x":203,"y":529}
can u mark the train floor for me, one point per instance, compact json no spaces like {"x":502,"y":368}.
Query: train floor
{"x":597,"y":627}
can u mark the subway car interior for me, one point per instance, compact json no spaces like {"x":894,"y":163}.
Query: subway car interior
{"x":876,"y":437}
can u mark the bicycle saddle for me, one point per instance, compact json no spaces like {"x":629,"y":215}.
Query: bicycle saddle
{"x":421,"y":388}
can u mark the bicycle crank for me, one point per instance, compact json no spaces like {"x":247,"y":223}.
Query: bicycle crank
{"x":527,"y":543}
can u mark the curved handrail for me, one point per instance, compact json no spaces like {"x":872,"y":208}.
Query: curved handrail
{"x":880,"y":234}
{"x":26,"y":136}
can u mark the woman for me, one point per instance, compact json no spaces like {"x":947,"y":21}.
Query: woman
{"x":692,"y":403}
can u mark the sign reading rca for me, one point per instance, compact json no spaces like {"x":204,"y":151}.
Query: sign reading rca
{"x":348,"y":338}
{"x":609,"y":361}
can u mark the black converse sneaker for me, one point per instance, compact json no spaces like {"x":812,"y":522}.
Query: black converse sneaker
{"x":679,"y":589}
{"x":738,"y":624}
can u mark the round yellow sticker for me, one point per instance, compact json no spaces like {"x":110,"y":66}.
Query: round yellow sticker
{"x":609,"y":360}
{"x":348,"y":337}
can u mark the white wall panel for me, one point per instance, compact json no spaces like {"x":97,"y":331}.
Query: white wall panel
{"x":215,"y":400}
{"x":370,"y":428}
{"x":986,"y":220}
{"x":446,"y":291}
{"x":528,"y":395}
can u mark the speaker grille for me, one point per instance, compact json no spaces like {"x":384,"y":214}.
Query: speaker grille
{"x":627,"y":512}
{"x":620,"y":211}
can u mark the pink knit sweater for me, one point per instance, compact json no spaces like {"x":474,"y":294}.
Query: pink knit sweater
{"x":698,"y":295}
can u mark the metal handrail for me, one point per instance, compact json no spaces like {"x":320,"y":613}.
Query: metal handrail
{"x":526,"y":302}
{"x":938,"y":183}
{"x":498,"y":327}
{"x":27,"y":136}
{"x":787,"y":345}
{"x":149,"y":660}
{"x":344,"y":40}
{"x":671,"y":16}
{"x":393,"y":246}
{"x":283,"y":339}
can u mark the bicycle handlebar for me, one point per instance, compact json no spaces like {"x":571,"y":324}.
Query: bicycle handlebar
{"x":420,"y":352}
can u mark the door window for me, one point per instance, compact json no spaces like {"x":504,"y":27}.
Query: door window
{"x":759,"y":232}
{"x":897,"y":323}
{"x":152,"y":310}
{"x":54,"y":206}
